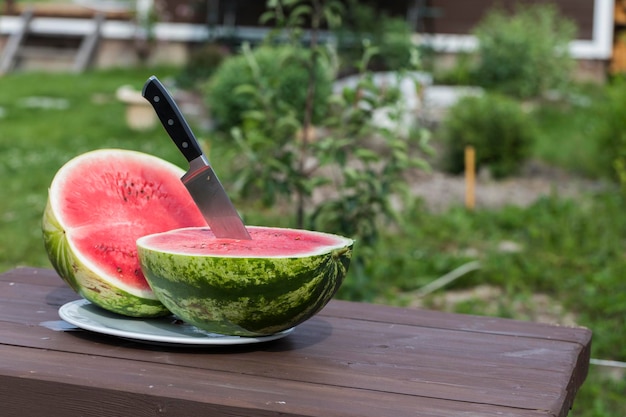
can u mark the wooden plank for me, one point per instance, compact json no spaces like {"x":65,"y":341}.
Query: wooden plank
{"x":68,"y":10}
{"x":341,"y":309}
{"x":421,"y":359}
{"x":88,"y":45}
{"x":71,"y":384}
{"x":461,"y":17}
{"x":415,"y":375}
{"x":468,"y":323}
{"x":52,"y":53}
{"x":310,"y":341}
{"x":7,"y":60}
{"x":16,"y":290}
{"x":37,"y":276}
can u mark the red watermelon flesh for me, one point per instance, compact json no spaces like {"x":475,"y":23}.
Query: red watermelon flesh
{"x":265,"y":243}
{"x":108,"y":206}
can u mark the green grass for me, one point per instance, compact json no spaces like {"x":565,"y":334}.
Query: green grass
{"x":567,"y":128}
{"x":573,"y":251}
{"x":36,"y":142}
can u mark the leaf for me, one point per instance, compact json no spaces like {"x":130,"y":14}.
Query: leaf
{"x":291,"y":3}
{"x":267,"y":17}
{"x":301,"y":11}
{"x":254,"y":115}
{"x":350,"y":173}
{"x":323,"y":145}
{"x":367,"y":155}
{"x":238,"y":136}
{"x":333,"y":20}
{"x":397,"y":144}
{"x":400,"y":157}
{"x":288,"y":120}
{"x":244,"y":89}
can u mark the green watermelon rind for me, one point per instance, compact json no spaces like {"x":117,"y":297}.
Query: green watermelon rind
{"x":85,"y":279}
{"x":245,"y":296}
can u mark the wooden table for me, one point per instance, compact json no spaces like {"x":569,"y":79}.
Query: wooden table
{"x":352,"y":359}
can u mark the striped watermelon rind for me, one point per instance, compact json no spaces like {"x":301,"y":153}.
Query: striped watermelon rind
{"x":90,"y":283}
{"x":245,"y":295}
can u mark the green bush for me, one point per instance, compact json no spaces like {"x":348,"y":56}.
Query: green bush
{"x":524,"y":53}
{"x":495,"y":126}
{"x":281,"y":68}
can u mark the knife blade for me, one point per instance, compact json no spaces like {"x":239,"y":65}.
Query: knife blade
{"x":201,"y":182}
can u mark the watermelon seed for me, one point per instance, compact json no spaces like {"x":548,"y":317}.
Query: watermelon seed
{"x":95,"y":289}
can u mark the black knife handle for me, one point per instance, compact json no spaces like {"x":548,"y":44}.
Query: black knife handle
{"x":171,"y":118}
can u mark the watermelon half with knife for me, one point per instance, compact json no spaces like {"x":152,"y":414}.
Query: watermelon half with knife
{"x":103,"y":204}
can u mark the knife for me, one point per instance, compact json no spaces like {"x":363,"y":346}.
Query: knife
{"x":201,"y":182}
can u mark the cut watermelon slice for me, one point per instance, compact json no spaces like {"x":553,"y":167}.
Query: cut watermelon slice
{"x":99,"y":203}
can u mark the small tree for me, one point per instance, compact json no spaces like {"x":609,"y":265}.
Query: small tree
{"x":361,"y":164}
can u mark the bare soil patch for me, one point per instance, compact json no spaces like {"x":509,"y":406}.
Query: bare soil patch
{"x":441,"y":191}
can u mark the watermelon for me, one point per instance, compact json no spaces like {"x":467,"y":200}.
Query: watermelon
{"x":256,"y":287}
{"x":99,"y":203}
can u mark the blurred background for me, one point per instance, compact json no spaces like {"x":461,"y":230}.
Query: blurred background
{"x":359,"y":118}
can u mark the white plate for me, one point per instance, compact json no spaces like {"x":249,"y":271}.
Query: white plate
{"x":164,"y":330}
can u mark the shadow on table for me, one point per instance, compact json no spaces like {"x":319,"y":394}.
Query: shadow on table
{"x":307,"y":334}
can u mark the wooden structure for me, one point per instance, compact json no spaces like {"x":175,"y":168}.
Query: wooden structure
{"x":181,"y":24}
{"x":459,"y":18}
{"x":599,"y":38}
{"x":79,"y":50}
{"x":618,"y":61}
{"x":352,"y":359}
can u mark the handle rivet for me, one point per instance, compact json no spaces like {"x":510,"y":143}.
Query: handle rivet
{"x":185,"y":145}
{"x":170,"y":122}
{"x":156,"y":99}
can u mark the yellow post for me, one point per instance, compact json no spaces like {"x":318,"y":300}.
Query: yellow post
{"x":470,"y":177}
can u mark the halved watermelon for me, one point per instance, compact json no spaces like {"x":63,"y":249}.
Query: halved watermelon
{"x":99,"y":203}
{"x":273,"y":282}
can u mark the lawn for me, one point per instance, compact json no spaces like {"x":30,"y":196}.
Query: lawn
{"x":572,"y":252}
{"x":46,"y":120}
